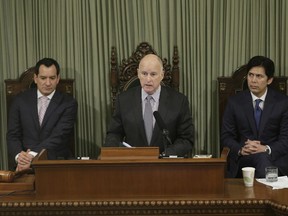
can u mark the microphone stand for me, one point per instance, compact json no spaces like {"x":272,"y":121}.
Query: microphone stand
{"x":167,"y":141}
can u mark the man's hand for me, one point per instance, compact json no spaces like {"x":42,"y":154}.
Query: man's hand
{"x":252,"y":147}
{"x":24,"y":160}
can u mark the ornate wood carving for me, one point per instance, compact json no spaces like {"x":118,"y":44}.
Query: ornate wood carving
{"x":236,"y":200}
{"x":144,"y":207}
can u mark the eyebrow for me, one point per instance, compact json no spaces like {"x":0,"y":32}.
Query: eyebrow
{"x":251,"y":72}
{"x":42,"y":76}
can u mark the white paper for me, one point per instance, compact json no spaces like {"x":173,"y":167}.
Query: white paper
{"x":126,"y":144}
{"x":280,"y":184}
{"x":202,"y":156}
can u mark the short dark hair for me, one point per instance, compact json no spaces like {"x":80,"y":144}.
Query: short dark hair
{"x":47,"y":62}
{"x":264,"y":62}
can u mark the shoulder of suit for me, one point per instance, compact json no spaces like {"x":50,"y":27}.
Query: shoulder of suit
{"x":240,"y":97}
{"x":27,"y":92}
{"x":164,"y":90}
{"x":130,"y":91}
{"x":64,"y":96}
{"x":276,"y":93}
{"x":172,"y":91}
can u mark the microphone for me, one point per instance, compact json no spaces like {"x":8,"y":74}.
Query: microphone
{"x":159,"y":121}
{"x":163,"y":128}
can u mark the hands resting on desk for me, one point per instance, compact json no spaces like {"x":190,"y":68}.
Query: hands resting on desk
{"x":24,"y":160}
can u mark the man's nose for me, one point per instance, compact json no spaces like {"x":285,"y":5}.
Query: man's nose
{"x":149,"y":77}
{"x":48,"y":82}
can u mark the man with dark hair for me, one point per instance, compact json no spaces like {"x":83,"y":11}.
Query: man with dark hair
{"x":255,"y":123}
{"x":41,"y":118}
{"x":133,"y":123}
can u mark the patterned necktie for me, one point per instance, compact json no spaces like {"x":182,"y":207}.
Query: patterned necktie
{"x":148,"y":118}
{"x":257,"y":112}
{"x":43,"y":104}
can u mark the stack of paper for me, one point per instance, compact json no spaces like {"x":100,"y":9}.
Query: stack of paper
{"x":280,"y":184}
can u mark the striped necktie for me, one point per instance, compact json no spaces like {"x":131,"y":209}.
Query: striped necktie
{"x":43,"y":104}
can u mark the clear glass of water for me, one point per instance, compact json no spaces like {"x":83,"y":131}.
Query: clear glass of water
{"x":271,"y":174}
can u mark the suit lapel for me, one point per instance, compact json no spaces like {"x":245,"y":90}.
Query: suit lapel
{"x":54,"y":103}
{"x":138,"y":113}
{"x":34,"y":102}
{"x":268,"y":108}
{"x":249,"y":111}
{"x":162,"y":109}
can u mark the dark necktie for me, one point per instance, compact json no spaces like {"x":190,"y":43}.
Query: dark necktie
{"x":257,"y":112}
{"x":148,"y":118}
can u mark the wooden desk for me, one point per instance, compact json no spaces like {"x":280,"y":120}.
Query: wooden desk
{"x":236,"y":200}
{"x":25,"y":183}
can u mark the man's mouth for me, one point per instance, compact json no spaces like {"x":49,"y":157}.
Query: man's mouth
{"x":253,"y":87}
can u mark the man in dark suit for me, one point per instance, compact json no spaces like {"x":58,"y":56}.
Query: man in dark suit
{"x":128,"y":121}
{"x":41,"y":118}
{"x":255,"y":123}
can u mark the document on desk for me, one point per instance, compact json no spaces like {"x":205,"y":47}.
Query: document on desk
{"x":202,"y":156}
{"x":280,"y":184}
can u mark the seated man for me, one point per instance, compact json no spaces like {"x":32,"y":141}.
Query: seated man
{"x":130,"y":121}
{"x":41,"y":118}
{"x":255,"y":123}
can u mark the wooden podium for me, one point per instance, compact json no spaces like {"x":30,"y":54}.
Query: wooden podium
{"x":127,"y":178}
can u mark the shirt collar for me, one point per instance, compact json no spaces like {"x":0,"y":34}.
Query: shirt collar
{"x":254,"y":97}
{"x":155,"y":96}
{"x":39,"y":94}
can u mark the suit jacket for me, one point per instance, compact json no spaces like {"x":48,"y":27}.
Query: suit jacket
{"x":127,"y":122}
{"x":239,"y":125}
{"x":25,"y":132}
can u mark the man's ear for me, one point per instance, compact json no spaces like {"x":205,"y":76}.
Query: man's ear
{"x":58,"y":77}
{"x":270,"y":80}
{"x":163,"y":73}
{"x":34,"y":78}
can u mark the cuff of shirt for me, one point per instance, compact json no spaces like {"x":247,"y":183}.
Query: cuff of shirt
{"x":269,"y":149}
{"x":32,"y":153}
{"x":16,"y":158}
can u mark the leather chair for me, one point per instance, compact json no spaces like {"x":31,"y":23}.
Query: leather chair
{"x":124,"y":75}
